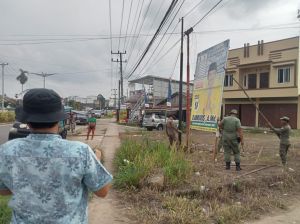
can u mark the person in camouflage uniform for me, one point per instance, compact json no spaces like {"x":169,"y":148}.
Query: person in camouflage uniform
{"x":283,"y":134}
{"x":231,"y":138}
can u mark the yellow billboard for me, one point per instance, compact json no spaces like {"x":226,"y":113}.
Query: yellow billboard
{"x":208,"y":87}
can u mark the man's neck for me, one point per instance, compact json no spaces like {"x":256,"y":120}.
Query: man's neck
{"x":45,"y":130}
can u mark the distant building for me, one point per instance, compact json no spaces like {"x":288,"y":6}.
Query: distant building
{"x":270,"y":74}
{"x":156,"y":89}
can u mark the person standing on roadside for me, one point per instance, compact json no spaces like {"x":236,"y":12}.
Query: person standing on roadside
{"x":48,"y":177}
{"x":72,"y":122}
{"x":232,"y":134}
{"x":283,"y":134}
{"x":171,"y":131}
{"x":91,"y":126}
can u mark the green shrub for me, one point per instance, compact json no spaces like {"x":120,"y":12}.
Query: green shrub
{"x":136,"y":160}
{"x":5,"y":211}
{"x":7,"y":116}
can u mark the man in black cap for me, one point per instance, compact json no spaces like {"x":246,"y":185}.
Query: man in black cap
{"x":48,"y":177}
{"x":283,"y":134}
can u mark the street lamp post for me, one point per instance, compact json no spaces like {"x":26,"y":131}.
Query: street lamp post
{"x":3,"y":65}
{"x":44,"y":75}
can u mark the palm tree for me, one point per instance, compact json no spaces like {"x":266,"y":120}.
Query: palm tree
{"x":22,"y":78}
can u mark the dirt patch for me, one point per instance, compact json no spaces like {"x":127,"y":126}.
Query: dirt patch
{"x":213,"y":195}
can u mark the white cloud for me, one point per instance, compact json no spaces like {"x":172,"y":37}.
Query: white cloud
{"x":91,"y":17}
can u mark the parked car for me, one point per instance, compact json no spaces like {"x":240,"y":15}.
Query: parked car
{"x":20,"y":130}
{"x":81,"y":119}
{"x":98,"y":113}
{"x":154,"y":121}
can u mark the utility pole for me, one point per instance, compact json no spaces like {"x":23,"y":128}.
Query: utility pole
{"x":44,"y":75}
{"x":188,"y":111}
{"x":115,"y":97}
{"x":121,"y":68}
{"x":180,"y":84}
{"x":119,"y":102}
{"x":3,"y":65}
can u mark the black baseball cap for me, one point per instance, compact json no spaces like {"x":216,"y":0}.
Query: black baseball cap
{"x":40,"y":106}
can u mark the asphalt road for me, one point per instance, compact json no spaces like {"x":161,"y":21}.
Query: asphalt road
{"x":4,"y":129}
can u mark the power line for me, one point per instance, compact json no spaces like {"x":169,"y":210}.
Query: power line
{"x":127,"y":24}
{"x":110,"y":33}
{"x":107,"y":36}
{"x":121,"y":23}
{"x":164,"y":36}
{"x":114,"y":36}
{"x":135,"y":42}
{"x":192,"y":9}
{"x":170,"y":9}
{"x":206,"y":14}
{"x":133,"y":22}
{"x":165,"y":54}
{"x":199,"y":21}
{"x":136,"y":26}
{"x":143,"y":35}
{"x":110,"y":25}
{"x":147,"y":10}
{"x":150,"y":29}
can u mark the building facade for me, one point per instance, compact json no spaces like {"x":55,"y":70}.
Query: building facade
{"x":155,"y":87}
{"x":269,"y":72}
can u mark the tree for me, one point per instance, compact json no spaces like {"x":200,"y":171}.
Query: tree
{"x":101,"y":101}
{"x":22,"y":78}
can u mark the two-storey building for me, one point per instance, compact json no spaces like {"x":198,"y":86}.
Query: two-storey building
{"x":269,"y":73}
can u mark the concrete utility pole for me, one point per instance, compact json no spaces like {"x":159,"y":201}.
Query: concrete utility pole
{"x":115,"y":97}
{"x":180,"y":84}
{"x":119,"y":102}
{"x":3,"y":65}
{"x":44,"y":75}
{"x":121,"y":69}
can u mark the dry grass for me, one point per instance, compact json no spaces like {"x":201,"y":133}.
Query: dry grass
{"x":213,"y":195}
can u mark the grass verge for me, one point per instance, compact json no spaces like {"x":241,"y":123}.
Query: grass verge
{"x":5,"y":211}
{"x":211,"y":194}
{"x":7,"y":116}
{"x":137,"y":160}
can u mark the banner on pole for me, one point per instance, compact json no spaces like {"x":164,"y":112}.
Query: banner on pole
{"x":208,"y":87}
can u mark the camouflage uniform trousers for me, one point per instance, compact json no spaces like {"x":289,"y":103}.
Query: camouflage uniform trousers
{"x":231,"y":146}
{"x":220,"y":144}
{"x":283,"y":152}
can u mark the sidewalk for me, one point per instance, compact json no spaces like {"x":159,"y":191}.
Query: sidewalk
{"x":291,"y":216}
{"x":108,"y":210}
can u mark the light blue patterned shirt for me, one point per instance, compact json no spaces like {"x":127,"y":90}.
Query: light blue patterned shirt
{"x":50,"y":178}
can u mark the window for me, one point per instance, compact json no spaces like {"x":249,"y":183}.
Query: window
{"x":245,"y":80}
{"x":251,"y":81}
{"x":228,"y":81}
{"x":264,"y":80}
{"x":284,"y":75}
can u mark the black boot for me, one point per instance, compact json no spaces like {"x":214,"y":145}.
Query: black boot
{"x":238,"y":167}
{"x":228,"y":165}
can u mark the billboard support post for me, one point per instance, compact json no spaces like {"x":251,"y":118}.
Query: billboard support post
{"x":188,"y":107}
{"x":180,"y":85}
